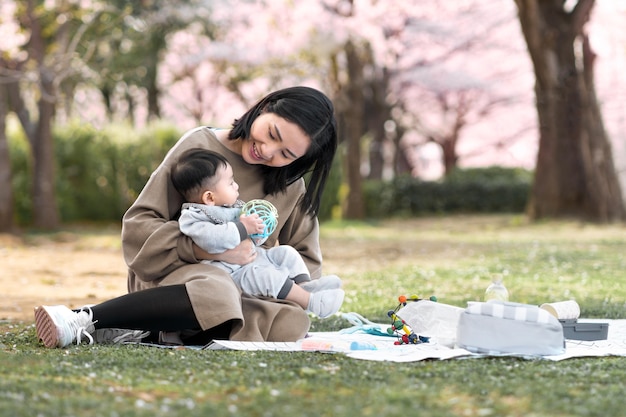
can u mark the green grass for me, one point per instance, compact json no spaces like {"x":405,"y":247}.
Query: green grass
{"x":451,"y":257}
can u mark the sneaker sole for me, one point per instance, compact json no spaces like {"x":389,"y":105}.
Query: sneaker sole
{"x":46,"y":327}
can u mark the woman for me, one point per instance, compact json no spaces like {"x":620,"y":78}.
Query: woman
{"x":287,"y":134}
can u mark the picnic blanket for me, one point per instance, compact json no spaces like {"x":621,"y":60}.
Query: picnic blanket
{"x":376,"y":347}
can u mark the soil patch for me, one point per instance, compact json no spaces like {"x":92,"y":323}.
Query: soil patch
{"x":62,"y":269}
{"x":80,"y":267}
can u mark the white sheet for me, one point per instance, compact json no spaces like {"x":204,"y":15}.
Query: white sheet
{"x":381,"y":348}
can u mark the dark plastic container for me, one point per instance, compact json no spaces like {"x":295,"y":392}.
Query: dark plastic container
{"x":575,"y":330}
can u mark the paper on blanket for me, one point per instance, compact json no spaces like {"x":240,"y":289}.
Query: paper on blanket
{"x":410,"y":353}
{"x":378,"y":348}
{"x":614,"y":345}
{"x":252,"y":346}
{"x":334,"y":342}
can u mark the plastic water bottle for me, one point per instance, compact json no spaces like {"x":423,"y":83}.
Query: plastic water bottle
{"x":497,"y":291}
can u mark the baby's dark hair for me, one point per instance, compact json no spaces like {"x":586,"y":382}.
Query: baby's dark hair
{"x":195,"y":171}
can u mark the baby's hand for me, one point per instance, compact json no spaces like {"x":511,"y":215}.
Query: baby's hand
{"x":253,"y":223}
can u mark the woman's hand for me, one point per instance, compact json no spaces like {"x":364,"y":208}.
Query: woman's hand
{"x":242,"y":254}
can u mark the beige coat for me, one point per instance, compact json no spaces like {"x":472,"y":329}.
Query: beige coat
{"x":157,"y":253}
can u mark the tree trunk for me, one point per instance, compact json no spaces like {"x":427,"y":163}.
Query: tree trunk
{"x":39,"y":134}
{"x":376,"y":150}
{"x":401,"y":164}
{"x":6,"y":187}
{"x":156,"y":45}
{"x":575,"y":176}
{"x":377,"y":113}
{"x":354,"y":208}
{"x":45,"y":208}
{"x":449,"y":155}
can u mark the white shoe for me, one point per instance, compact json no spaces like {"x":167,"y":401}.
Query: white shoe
{"x":325,"y":303}
{"x":58,"y":326}
{"x":327,"y":282}
{"x":115,"y":336}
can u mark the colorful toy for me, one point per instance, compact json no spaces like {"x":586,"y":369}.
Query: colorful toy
{"x":399,"y":327}
{"x":267,"y":212}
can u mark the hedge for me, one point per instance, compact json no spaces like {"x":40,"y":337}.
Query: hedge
{"x":476,"y":190}
{"x":100,"y":172}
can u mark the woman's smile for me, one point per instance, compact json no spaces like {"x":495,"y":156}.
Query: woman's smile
{"x":274,"y":141}
{"x":254,"y":151}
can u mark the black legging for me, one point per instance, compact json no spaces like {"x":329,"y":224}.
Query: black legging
{"x":165,"y":308}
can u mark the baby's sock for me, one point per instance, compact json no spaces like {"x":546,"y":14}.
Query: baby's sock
{"x":325,"y":303}
{"x":327,"y":282}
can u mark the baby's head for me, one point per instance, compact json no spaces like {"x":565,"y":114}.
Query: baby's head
{"x":205,"y":177}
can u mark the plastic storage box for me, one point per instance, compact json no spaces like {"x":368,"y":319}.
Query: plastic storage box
{"x":573,"y":329}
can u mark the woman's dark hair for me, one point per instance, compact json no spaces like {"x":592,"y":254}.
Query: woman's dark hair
{"x":313,"y":112}
{"x":194,"y":167}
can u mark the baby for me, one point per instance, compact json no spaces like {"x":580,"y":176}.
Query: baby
{"x":212,"y":218}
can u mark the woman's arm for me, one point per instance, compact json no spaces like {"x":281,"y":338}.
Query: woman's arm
{"x":242,"y":254}
{"x":152,"y":243}
{"x":152,"y":246}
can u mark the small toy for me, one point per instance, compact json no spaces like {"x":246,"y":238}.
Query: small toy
{"x":267,"y":212}
{"x":399,"y":327}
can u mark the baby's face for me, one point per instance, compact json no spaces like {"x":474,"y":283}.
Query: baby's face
{"x":225,"y":191}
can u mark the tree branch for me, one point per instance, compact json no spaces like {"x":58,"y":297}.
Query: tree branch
{"x":581,"y":14}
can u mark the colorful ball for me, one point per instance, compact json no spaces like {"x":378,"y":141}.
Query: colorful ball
{"x":266,"y":211}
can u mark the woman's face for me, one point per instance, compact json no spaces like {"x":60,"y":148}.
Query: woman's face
{"x":274,"y":142}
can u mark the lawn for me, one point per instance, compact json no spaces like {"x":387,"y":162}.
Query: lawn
{"x":453,"y":258}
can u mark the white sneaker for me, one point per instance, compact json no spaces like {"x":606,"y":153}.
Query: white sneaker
{"x":115,"y":336}
{"x":327,"y":282}
{"x":325,"y":303}
{"x":58,"y":326}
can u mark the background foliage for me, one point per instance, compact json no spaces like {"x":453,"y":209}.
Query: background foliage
{"x":101,"y":172}
{"x":419,"y":87}
{"x":473,"y":190}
